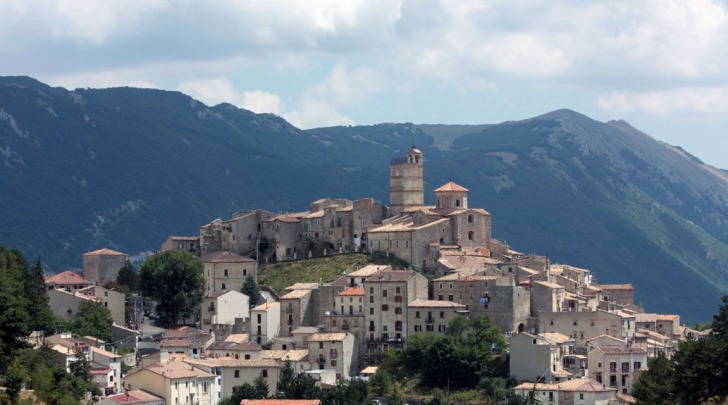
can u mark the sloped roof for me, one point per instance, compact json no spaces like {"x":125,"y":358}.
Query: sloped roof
{"x":450,"y":186}
{"x":104,"y":252}
{"x":576,"y":385}
{"x":352,"y":291}
{"x":420,"y":303}
{"x":66,"y":277}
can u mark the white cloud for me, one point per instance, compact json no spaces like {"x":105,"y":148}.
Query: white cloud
{"x":665,"y":103}
{"x":213,"y":91}
{"x":259,"y":101}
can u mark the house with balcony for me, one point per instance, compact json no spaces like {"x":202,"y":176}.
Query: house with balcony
{"x":265,"y":322}
{"x":336,"y":351}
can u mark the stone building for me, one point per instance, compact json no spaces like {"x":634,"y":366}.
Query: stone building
{"x":224,"y":312}
{"x":415,"y":232}
{"x":387,"y":293}
{"x":432,"y":316}
{"x":335,"y":351}
{"x":540,"y":357}
{"x":617,"y":367}
{"x":227,"y":271}
{"x":187,"y":243}
{"x":102,"y":265}
{"x":66,"y":280}
{"x":265,"y":322}
{"x":586,"y":325}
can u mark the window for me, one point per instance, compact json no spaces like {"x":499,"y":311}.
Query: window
{"x":449,"y":297}
{"x":457,"y":202}
{"x":442,"y":314}
{"x":398,"y":310}
{"x":265,"y":373}
{"x":371,"y":299}
{"x":321,"y":345}
{"x":237,"y":373}
{"x":418,"y":328}
{"x":613,"y":366}
{"x":333,"y":363}
{"x":625,"y":366}
{"x":470,"y":235}
{"x":385,"y":307}
{"x":470,"y":218}
{"x":247,"y":357}
{"x":637,"y":365}
{"x":384,"y":293}
{"x":397,"y":298}
{"x":417,"y":314}
{"x":226,"y":272}
{"x":223,"y":286}
{"x":371,"y":311}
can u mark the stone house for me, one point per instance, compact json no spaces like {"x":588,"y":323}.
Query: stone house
{"x":102,"y":265}
{"x":227,"y":271}
{"x":187,"y":243}
{"x":265,"y":322}
{"x":540,"y":357}
{"x":238,"y":372}
{"x":431,"y":316}
{"x":617,"y":367}
{"x":387,"y":293}
{"x":66,"y":280}
{"x":65,"y":304}
{"x":176,"y":382}
{"x":224,"y":311}
{"x":185,"y":340}
{"x":336,"y":351}
{"x":582,"y":326}
{"x":295,"y":311}
{"x":667,"y":325}
{"x":235,"y":350}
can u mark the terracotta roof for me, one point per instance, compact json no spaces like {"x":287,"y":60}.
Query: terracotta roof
{"x":104,"y":353}
{"x":135,"y":397}
{"x":450,"y":186}
{"x":104,"y":252}
{"x":185,"y":238}
{"x":547,"y":284}
{"x":100,"y":371}
{"x":302,"y":286}
{"x":230,"y":362}
{"x":327,"y":337}
{"x":280,"y":402}
{"x":243,"y":347}
{"x":66,"y":277}
{"x":176,"y":370}
{"x":557,"y":337}
{"x":352,"y":291}
{"x":434,"y":304}
{"x":226,"y":257}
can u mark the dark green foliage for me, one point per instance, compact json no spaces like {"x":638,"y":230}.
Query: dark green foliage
{"x":720,"y":320}
{"x":381,"y":382}
{"x":295,"y":386}
{"x":42,"y":318}
{"x":697,"y":371}
{"x":92,"y":319}
{"x":471,"y":350}
{"x":14,"y":319}
{"x":252,"y":290}
{"x":174,"y":280}
{"x":257,"y":390}
{"x":128,"y":277}
{"x":346,"y":392}
{"x":656,"y":385}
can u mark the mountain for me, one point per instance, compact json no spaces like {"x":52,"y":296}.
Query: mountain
{"x":124,"y":168}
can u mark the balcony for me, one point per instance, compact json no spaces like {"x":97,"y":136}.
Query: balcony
{"x":333,"y":354}
{"x":321,"y":360}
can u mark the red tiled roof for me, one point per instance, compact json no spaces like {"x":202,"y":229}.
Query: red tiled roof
{"x":450,"y":186}
{"x":352,"y":291}
{"x":66,"y":277}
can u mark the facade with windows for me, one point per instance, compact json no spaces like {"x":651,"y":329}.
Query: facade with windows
{"x":227,"y":271}
{"x":432,"y":316}
{"x":616,"y":367}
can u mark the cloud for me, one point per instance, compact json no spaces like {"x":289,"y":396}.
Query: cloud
{"x":687,"y":101}
{"x":260,"y":101}
{"x":213,"y":91}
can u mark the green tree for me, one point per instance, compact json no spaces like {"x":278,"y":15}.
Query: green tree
{"x":36,"y":298}
{"x":81,"y":367}
{"x":656,"y":385}
{"x":720,"y":320}
{"x":700,"y":369}
{"x":295,"y":386}
{"x":260,"y":386}
{"x":128,"y":277}
{"x":252,"y":290}
{"x":175,"y":281}
{"x":257,"y":390}
{"x":92,"y":319}
{"x":380,"y":382}
{"x":14,"y":317}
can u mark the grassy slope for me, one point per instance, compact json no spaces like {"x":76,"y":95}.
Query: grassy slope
{"x":280,"y":275}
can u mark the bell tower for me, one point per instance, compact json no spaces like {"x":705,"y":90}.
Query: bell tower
{"x":406,"y":188}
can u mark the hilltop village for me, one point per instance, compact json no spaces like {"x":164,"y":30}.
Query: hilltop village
{"x":569,"y":336}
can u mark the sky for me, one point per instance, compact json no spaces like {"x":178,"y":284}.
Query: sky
{"x":660,"y":65}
